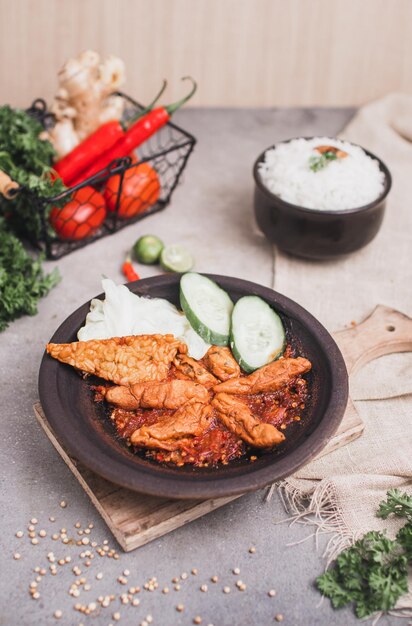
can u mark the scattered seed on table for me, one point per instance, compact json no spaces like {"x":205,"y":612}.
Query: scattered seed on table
{"x":194,"y":571}
{"x":183,"y":576}
{"x":135,"y":601}
{"x":35,"y":541}
{"x":252,"y":550}
{"x":272,"y":593}
{"x":144,"y":623}
{"x":85,"y":541}
{"x":52,"y":519}
{"x":226,"y":589}
{"x":165,"y":590}
{"x":33,"y":520}
{"x":61,"y":562}
{"x":87,"y":531}
{"x":180,"y":607}
{"x":99,"y":576}
{"x":236,"y":571}
{"x":175,"y":580}
{"x":55,"y":537}
{"x":116,"y":616}
{"x":42,"y":533}
{"x":279,"y":617}
{"x":16,"y":556}
{"x":36,"y":595}
{"x":87,"y":587}
{"x":177,"y":587}
{"x":32,"y":534}
{"x":203,"y":588}
{"x":63,"y":504}
{"x":91,"y":525}
{"x":126,"y":572}
{"x":19,"y":534}
{"x":149,"y":619}
{"x":214,"y":579}
{"x":197,"y":619}
{"x":58,"y":614}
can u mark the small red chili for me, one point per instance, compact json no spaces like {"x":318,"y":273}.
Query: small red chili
{"x":129,"y":271}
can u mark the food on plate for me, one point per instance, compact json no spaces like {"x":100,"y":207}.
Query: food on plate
{"x":190,"y":369}
{"x":207,"y":307}
{"x":147,"y":249}
{"x":268,"y":378}
{"x":123,"y":313}
{"x":257,"y":336}
{"x":177,"y":430}
{"x":220,"y":362}
{"x":140,"y":190}
{"x":322,"y":173}
{"x":170,"y":394}
{"x":177,"y":408}
{"x":81,"y":217}
{"x":239,"y":419}
{"x":122,"y":360}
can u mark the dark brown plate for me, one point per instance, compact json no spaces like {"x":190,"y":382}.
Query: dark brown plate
{"x":83,"y":427}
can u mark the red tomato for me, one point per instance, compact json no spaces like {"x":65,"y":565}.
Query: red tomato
{"x":140,"y":190}
{"x":80,"y":217}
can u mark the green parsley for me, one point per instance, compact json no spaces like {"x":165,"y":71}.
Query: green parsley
{"x":27,"y":159}
{"x":373,"y":573}
{"x":317,"y":163}
{"x":22,"y":280}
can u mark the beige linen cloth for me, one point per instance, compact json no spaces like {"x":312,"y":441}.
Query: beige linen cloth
{"x":340,"y":492}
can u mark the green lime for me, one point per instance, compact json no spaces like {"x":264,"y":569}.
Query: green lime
{"x":147,"y":249}
{"x":176,"y":259}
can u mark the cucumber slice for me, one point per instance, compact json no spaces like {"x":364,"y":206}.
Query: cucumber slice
{"x":207,"y":307}
{"x":257,"y":335}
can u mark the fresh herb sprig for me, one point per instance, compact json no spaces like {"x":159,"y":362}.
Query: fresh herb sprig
{"x":27,"y":158}
{"x":22,"y":280}
{"x":317,"y":163}
{"x":373,"y":573}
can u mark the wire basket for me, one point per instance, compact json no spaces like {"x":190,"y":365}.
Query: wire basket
{"x":133,"y":188}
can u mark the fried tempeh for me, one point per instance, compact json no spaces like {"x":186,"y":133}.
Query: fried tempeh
{"x":170,"y":394}
{"x":268,"y":378}
{"x":175,"y":431}
{"x":219,"y":361}
{"x":122,"y":360}
{"x":189,"y":369}
{"x":238,"y":418}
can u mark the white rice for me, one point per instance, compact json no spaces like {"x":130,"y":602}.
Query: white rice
{"x":345,"y":183}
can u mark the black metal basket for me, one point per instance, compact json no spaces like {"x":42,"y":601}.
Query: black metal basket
{"x":165,"y":153}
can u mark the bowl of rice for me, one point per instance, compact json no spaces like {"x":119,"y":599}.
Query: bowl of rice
{"x":320,"y":197}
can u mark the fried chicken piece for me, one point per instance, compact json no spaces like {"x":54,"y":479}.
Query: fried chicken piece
{"x":122,"y":360}
{"x":189,"y":369}
{"x":175,"y":431}
{"x":267,"y":378}
{"x":237,"y":418}
{"x":220,"y":362}
{"x":171,"y":394}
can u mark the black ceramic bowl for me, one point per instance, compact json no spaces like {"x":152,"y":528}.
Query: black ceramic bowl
{"x":85,"y":430}
{"x":317,"y":234}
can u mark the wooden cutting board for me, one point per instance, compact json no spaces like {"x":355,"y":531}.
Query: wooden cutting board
{"x":136,"y":519}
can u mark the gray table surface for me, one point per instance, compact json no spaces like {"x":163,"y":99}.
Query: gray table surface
{"x":211,"y":212}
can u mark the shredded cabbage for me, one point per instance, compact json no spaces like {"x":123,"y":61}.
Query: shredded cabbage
{"x":123,"y":313}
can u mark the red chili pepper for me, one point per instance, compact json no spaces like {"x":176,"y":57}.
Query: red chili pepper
{"x":141,"y":130}
{"x":105,"y":137}
{"x":129,"y":271}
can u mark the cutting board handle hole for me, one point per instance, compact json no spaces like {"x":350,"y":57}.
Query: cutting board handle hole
{"x":390,"y":328}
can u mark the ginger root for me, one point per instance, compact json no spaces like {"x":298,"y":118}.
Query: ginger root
{"x":84,"y":99}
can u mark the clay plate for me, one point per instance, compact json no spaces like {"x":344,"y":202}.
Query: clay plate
{"x":83,"y":427}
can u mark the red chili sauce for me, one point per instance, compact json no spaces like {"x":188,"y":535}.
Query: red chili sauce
{"x":218,"y":445}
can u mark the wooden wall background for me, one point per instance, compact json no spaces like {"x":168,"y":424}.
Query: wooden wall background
{"x":242,"y":52}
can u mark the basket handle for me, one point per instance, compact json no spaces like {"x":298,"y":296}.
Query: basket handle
{"x":8,"y":187}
